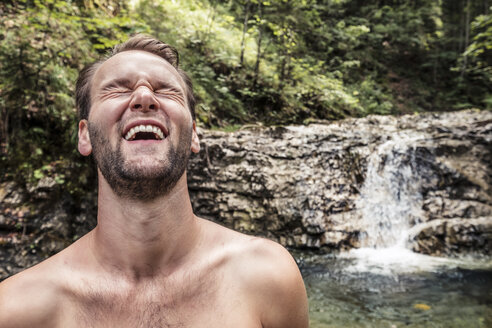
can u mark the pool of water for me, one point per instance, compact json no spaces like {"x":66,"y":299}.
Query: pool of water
{"x":352,"y":291}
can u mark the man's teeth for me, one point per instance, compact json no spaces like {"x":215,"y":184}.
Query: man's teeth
{"x":144,"y":128}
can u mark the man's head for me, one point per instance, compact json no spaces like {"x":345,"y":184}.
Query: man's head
{"x":138,"y":122}
{"x":137,"y":42}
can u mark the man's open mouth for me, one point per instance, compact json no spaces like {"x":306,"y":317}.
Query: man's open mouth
{"x":144,"y":132}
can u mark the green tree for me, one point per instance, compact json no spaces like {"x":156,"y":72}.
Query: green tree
{"x":44,"y":45}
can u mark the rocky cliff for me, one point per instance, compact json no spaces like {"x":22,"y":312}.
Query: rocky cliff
{"x":307,"y":186}
{"x":323,"y":186}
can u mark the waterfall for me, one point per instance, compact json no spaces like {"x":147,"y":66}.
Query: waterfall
{"x":390,"y":204}
{"x":390,"y":200}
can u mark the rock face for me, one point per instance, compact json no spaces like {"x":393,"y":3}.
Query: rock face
{"x":308,"y":186}
{"x":453,"y":236}
{"x":39,"y":221}
{"x":424,"y":179}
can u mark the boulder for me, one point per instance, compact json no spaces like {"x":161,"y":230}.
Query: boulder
{"x":454,"y":237}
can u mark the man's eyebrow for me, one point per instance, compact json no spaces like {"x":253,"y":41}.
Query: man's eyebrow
{"x":121,"y":82}
{"x":165,"y":85}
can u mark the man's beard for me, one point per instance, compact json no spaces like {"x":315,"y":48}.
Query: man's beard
{"x":134,"y":182}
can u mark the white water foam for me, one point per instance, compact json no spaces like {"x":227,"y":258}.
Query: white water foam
{"x":392,"y":261}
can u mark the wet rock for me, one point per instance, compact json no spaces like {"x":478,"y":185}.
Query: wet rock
{"x":301,"y":185}
{"x":44,"y":189}
{"x":454,"y":237}
{"x":9,"y":195}
{"x":39,"y":223}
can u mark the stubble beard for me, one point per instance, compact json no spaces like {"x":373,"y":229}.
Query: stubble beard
{"x":133,"y":182}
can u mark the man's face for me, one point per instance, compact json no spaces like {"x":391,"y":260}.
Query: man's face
{"x":139,"y":129}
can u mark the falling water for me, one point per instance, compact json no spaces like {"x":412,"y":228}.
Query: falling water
{"x":390,"y":198}
{"x":390,"y":204}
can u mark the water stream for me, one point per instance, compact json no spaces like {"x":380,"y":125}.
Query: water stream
{"x":390,"y":199}
{"x":384,"y":284}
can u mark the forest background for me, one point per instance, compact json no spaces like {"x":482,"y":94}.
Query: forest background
{"x":260,"y":62}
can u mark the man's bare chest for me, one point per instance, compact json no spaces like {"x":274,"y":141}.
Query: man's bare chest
{"x":203,"y":303}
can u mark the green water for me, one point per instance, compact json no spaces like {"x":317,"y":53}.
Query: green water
{"x":446,"y":296}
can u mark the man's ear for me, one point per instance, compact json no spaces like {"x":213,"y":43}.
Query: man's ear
{"x":85,"y":147}
{"x":195,"y":142}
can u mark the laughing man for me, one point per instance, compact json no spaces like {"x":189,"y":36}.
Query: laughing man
{"x":150,"y":262}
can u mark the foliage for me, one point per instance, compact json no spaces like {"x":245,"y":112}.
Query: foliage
{"x":251,"y":61}
{"x":44,"y":44}
{"x":283,"y":62}
{"x":479,"y":52}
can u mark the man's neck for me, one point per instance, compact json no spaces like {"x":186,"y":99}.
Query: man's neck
{"x":136,"y":239}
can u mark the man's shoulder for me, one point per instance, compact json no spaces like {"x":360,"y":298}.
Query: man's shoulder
{"x":253,"y":255}
{"x":33,"y":297}
{"x":263,"y":264}
{"x":269,"y":277}
{"x":29,"y":298}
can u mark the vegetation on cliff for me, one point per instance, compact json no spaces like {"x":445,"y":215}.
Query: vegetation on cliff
{"x":266,"y":61}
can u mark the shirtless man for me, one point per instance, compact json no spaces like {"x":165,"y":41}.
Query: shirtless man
{"x":150,"y":262}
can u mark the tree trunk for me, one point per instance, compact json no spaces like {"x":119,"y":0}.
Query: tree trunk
{"x":245,"y":28}
{"x":4,"y":134}
{"x":282,"y":71}
{"x":210,"y":22}
{"x":258,"y":53}
{"x":462,"y":28}
{"x":467,"y":37}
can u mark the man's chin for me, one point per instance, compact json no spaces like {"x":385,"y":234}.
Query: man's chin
{"x":144,"y":173}
{"x":143,"y":184}
{"x":144,"y":167}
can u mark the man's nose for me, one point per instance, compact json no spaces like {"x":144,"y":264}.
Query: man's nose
{"x":143,"y":100}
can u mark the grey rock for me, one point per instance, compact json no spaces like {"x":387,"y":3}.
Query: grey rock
{"x":454,"y":237}
{"x":300,"y":185}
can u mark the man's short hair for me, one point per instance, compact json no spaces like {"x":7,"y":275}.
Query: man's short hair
{"x":137,"y":42}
